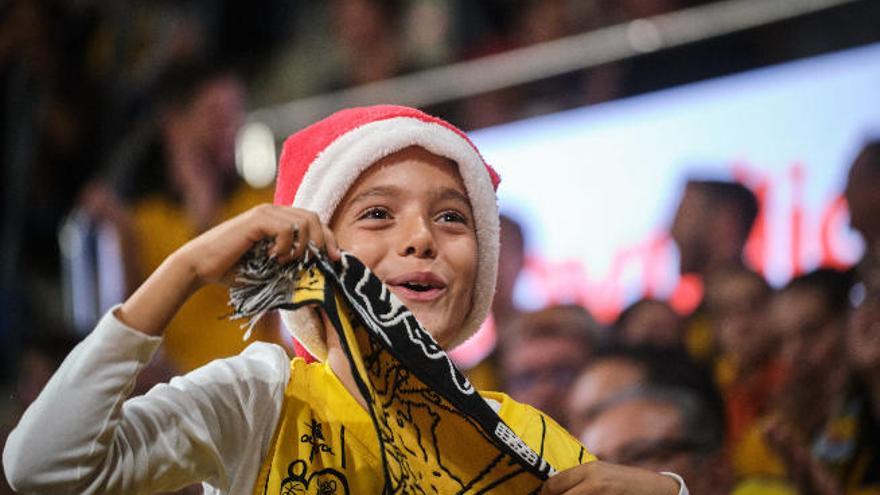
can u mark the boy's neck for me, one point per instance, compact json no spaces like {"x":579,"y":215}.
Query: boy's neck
{"x":338,"y":362}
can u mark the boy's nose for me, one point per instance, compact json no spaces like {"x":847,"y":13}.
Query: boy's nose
{"x":418,"y":240}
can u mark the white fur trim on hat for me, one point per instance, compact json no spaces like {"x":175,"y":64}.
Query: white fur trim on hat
{"x":336,"y":168}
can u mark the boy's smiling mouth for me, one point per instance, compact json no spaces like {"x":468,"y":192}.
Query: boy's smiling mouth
{"x":417,"y":286}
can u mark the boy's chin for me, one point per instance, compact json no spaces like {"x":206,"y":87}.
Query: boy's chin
{"x":443,"y":331}
{"x":440,"y":337}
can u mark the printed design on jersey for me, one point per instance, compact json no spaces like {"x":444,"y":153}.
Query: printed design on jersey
{"x":324,"y":482}
{"x":436,"y":433}
{"x":315,"y":437}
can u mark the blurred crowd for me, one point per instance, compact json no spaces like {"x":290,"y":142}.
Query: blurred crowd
{"x":757,"y":391}
{"x":120,"y":119}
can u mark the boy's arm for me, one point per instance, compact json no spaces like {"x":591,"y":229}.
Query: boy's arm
{"x":82,"y":436}
{"x":209,"y":257}
{"x":79,"y":437}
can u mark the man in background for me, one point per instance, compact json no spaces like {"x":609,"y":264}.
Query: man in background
{"x":823,"y":428}
{"x":653,"y":407}
{"x":863,"y":198}
{"x":710,"y":229}
{"x":182,"y":183}
{"x":544,"y":352}
{"x":663,"y":429}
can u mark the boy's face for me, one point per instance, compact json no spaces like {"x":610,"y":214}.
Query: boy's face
{"x":409,"y":220}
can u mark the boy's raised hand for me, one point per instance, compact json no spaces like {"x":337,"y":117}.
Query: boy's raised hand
{"x":211,"y":256}
{"x":214,"y":253}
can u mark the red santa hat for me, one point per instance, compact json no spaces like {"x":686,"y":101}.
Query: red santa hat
{"x":320,"y":163}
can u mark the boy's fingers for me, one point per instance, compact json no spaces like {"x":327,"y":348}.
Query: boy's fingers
{"x":561,"y":482}
{"x":283,"y":234}
{"x":299,"y":240}
{"x":330,"y":242}
{"x":304,"y":228}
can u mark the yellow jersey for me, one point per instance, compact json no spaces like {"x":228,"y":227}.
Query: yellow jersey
{"x":326,"y":443}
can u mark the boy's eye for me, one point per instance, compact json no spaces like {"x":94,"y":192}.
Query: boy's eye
{"x":453,"y":217}
{"x":375,"y":213}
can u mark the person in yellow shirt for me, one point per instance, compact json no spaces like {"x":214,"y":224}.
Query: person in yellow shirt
{"x":181,"y":185}
{"x":823,"y":430}
{"x":408,"y":195}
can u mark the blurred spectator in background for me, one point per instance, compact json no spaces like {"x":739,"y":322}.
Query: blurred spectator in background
{"x":608,"y":373}
{"x":649,"y":322}
{"x":648,"y":406}
{"x":863,"y":197}
{"x":426,"y":33}
{"x":711,"y":225}
{"x":365,"y":32}
{"x":710,"y":228}
{"x":863,"y":333}
{"x":616,"y":368}
{"x":184,"y":184}
{"x":663,"y":429}
{"x":47,"y":120}
{"x":541,"y":20}
{"x":40,"y":356}
{"x":511,"y":260}
{"x":822,"y":428}
{"x":543,"y":353}
{"x":670,"y":67}
{"x":748,"y":370}
{"x":481,"y":356}
{"x":863,"y":351}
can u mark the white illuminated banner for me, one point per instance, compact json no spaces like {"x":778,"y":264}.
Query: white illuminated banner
{"x":596,"y":187}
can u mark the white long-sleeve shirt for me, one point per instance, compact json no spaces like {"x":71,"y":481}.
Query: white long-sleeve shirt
{"x":213,"y":425}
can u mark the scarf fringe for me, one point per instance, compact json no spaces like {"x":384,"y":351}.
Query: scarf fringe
{"x":261,"y":284}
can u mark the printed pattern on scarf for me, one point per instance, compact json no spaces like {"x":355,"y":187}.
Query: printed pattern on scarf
{"x":435,"y":431}
{"x":436,"y":434}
